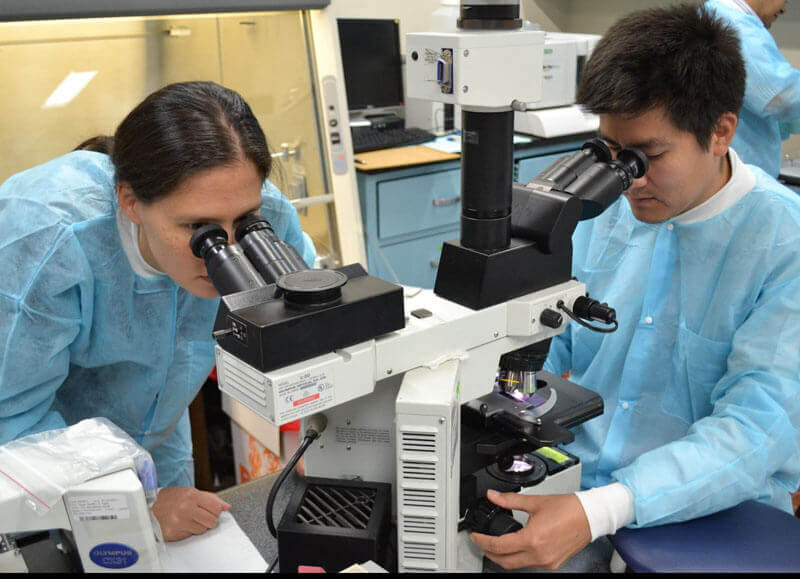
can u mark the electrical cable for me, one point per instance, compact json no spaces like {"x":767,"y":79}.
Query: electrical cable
{"x":285,"y":473}
{"x":388,"y":265}
{"x":309,"y":438}
{"x":562,"y":306}
{"x":317,"y":424}
{"x":272,"y":565}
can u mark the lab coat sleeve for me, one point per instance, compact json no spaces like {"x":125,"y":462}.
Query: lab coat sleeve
{"x":282,"y":215}
{"x":42,"y":310}
{"x":754,"y":428}
{"x":173,"y":457}
{"x":773,"y":84}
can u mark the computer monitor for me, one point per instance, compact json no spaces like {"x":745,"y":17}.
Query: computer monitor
{"x":372,"y":65}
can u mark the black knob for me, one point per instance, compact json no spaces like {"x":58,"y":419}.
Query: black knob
{"x":485,"y":517}
{"x":551,"y":319}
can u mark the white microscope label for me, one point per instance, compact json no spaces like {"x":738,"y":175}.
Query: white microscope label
{"x":99,"y":508}
{"x":367,"y":436}
{"x":302,"y":395}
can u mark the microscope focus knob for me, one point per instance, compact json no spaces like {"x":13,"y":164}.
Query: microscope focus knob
{"x":551,"y":319}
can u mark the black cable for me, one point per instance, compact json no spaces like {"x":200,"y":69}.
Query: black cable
{"x":316,"y":425}
{"x":272,"y":565}
{"x":311,"y":436}
{"x":562,"y":306}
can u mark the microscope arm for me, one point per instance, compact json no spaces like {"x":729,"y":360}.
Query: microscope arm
{"x":436,"y":330}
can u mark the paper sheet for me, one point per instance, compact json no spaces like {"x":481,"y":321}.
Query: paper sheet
{"x":225,"y":549}
{"x":452,"y":143}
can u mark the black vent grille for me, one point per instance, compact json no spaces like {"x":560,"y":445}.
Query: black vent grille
{"x":332,"y":506}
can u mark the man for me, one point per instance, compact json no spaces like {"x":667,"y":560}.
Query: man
{"x":771,"y":110}
{"x":702,"y":262}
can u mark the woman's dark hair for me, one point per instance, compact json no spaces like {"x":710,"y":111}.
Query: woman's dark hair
{"x":101,"y":144}
{"x":680,"y":58}
{"x":181,"y":129}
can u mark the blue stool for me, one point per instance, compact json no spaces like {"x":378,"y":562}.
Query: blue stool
{"x":749,"y":538}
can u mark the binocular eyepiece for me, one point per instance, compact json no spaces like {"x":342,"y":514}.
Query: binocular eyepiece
{"x":259,"y":258}
{"x":594,"y":176}
{"x":228,"y":268}
{"x":270,"y":255}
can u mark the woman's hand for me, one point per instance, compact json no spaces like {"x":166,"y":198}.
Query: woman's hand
{"x":186,"y":511}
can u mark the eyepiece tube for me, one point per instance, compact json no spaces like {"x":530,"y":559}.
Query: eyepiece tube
{"x":568,"y":168}
{"x":270,"y":255}
{"x":601,"y":184}
{"x":227,"y":266}
{"x":635,"y":162}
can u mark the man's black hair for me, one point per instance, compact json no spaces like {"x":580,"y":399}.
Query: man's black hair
{"x":681,"y":58}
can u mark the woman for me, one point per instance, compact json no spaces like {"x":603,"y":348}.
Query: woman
{"x":104,"y":310}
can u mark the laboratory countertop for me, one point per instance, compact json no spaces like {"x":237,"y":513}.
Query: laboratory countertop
{"x":249,"y":500}
{"x":248,"y":506}
{"x":448,"y":148}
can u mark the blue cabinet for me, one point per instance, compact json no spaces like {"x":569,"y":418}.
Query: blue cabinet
{"x":417,"y":204}
{"x":408,"y":213}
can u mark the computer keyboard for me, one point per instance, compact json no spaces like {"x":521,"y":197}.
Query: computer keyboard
{"x":371,"y":139}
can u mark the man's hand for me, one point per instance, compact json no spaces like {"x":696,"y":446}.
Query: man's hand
{"x":556,"y":530}
{"x":186,"y":511}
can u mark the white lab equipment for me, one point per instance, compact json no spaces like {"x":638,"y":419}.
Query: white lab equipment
{"x":405,"y":382}
{"x":83,"y":479}
{"x":556,"y":113}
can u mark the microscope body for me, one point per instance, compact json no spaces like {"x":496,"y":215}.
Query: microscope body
{"x":107,"y":518}
{"x":395,"y":406}
{"x":408,"y":379}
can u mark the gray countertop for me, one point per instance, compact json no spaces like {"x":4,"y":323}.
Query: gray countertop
{"x":248,"y":505}
{"x":249,"y":501}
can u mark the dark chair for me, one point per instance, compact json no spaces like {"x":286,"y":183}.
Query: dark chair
{"x":749,"y":538}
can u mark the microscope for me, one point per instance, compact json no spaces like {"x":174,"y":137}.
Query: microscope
{"x":432,"y":396}
{"x":77,"y":498}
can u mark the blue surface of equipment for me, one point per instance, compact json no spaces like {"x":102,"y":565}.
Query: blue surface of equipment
{"x":751,"y":537}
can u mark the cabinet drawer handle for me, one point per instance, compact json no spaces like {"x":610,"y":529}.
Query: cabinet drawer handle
{"x":445,"y":202}
{"x":434,"y":263}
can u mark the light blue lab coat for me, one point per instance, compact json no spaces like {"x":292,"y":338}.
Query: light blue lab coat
{"x":771,"y":110}
{"x":81,"y":334}
{"x":701,"y":382}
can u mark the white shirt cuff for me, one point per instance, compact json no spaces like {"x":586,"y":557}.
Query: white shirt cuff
{"x":608,"y":508}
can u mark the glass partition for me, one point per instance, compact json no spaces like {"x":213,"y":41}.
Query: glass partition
{"x":65,"y":81}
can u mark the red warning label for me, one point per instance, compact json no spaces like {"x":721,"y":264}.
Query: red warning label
{"x":306,"y":399}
